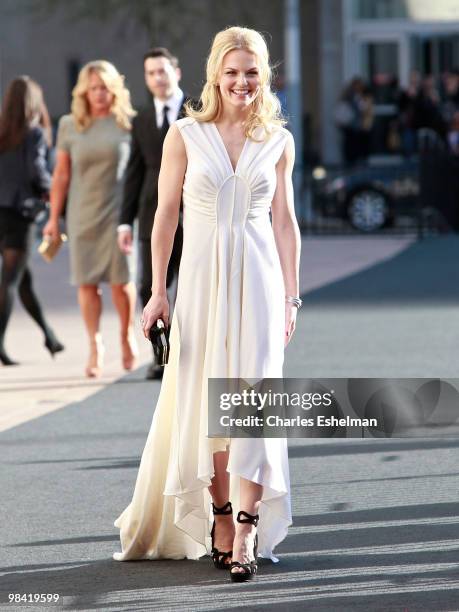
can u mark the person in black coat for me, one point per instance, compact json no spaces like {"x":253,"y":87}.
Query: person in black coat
{"x":162,"y":76}
{"x":23,"y":175}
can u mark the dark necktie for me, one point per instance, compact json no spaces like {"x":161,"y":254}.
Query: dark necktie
{"x":165,"y":125}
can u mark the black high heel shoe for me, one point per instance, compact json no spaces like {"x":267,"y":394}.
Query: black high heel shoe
{"x":54,"y":346}
{"x":251,"y":568}
{"x":219,"y":557}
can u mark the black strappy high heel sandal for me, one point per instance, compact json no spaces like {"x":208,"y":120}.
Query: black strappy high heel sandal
{"x":251,"y":568}
{"x":219,"y":557}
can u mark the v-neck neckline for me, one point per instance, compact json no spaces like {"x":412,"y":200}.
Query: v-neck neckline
{"x":222,"y":142}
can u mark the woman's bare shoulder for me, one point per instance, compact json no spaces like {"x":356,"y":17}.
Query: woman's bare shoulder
{"x":174,"y":141}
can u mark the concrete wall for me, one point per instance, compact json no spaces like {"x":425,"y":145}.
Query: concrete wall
{"x":47,"y":47}
{"x":44,"y":48}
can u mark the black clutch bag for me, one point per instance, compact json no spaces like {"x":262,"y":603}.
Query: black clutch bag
{"x":159,"y":337}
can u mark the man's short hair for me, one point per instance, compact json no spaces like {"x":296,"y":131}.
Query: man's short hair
{"x":162,"y":52}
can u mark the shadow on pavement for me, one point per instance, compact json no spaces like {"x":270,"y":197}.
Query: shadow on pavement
{"x":427,"y":272}
{"x":329,"y":449}
{"x":377,"y":559}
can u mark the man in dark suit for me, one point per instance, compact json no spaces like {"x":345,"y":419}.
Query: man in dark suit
{"x":162,"y":76}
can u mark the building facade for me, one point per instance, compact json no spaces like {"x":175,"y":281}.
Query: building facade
{"x":381,"y":40}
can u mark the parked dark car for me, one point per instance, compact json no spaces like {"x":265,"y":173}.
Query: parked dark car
{"x":370,"y":197}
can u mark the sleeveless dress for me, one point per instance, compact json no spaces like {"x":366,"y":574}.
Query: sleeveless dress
{"x":228,"y":321}
{"x":99,"y":158}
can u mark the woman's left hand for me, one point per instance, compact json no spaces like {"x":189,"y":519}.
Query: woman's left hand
{"x":290,"y":321}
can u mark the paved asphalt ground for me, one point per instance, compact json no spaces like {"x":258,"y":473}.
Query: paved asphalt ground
{"x":375,"y":521}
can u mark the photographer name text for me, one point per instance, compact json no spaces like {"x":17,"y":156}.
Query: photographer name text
{"x":275,"y":420}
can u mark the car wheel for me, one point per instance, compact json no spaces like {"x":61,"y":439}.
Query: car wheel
{"x":368,"y":210}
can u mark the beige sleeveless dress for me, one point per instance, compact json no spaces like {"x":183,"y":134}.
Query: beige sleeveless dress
{"x":228,"y":321}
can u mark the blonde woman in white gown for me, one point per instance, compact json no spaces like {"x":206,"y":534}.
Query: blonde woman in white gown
{"x":235,"y":312}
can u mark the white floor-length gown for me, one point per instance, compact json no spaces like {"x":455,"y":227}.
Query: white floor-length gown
{"x":228,"y":321}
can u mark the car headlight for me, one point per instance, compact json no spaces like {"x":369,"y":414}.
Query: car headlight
{"x":319,"y":173}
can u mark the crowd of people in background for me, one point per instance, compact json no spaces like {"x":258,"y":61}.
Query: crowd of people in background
{"x":354,"y":115}
{"x":427,"y":102}
{"x":99,"y":143}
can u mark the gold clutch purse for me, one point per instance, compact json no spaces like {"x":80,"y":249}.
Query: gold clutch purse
{"x":48,"y":248}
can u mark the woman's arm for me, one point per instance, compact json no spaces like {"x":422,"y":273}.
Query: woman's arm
{"x":170,"y":184}
{"x":59,"y":190}
{"x":287,"y":232}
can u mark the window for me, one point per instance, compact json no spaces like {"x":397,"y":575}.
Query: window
{"x":379,"y":9}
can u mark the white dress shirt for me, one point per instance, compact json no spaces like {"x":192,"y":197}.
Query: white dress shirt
{"x":173,"y":103}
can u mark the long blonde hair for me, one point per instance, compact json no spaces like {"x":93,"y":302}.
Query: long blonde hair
{"x":266,"y":108}
{"x":121,"y":107}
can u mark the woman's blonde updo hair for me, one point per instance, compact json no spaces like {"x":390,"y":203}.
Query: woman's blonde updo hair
{"x":121,"y":107}
{"x":266,"y":108}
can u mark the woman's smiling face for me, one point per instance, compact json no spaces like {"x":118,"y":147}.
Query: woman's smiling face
{"x":239,"y":78}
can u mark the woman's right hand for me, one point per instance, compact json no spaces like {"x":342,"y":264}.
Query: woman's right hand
{"x":51,"y":229}
{"x":156,"y":308}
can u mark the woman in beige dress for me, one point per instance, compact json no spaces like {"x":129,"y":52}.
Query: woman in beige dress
{"x":235,"y":313}
{"x":93,"y":144}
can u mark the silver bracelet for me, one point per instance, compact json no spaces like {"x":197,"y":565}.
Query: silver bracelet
{"x":294,"y":300}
